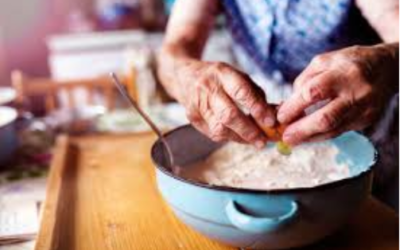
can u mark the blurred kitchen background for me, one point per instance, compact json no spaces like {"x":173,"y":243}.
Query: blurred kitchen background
{"x":60,"y":39}
{"x":34,"y":31}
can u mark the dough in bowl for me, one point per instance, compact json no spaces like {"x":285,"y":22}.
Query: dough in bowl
{"x":243,"y":166}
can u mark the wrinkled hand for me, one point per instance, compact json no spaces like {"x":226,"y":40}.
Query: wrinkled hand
{"x":211,"y":94}
{"x":357,"y":83}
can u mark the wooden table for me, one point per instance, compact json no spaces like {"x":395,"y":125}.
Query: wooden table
{"x":102,"y":195}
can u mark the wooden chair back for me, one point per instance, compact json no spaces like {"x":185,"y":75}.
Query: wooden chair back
{"x":50,"y":89}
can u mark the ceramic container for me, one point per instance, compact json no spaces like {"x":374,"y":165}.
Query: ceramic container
{"x":263,"y":219}
{"x":8,"y":136}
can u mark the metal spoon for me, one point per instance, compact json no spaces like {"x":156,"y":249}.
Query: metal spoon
{"x":152,"y":125}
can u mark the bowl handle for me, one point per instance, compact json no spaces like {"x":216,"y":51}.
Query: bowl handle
{"x":255,"y":224}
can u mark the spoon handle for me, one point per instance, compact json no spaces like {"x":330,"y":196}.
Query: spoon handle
{"x":122,"y":90}
{"x":152,"y":125}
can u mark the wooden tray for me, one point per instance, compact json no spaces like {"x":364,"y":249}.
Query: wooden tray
{"x":102,"y":195}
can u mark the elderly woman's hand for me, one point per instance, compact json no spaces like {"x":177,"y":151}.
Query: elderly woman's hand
{"x":212,"y":94}
{"x":356,"y":81}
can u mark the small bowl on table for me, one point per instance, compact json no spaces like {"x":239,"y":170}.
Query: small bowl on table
{"x":8,"y":134}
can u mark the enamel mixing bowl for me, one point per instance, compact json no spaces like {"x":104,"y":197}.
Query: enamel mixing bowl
{"x":262,"y":219}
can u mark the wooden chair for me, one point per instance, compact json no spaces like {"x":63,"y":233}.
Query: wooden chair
{"x":27,"y":87}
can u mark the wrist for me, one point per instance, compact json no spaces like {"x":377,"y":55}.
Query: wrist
{"x":168,"y":64}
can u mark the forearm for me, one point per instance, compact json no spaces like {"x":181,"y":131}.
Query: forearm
{"x":383,"y":16}
{"x":186,"y":35}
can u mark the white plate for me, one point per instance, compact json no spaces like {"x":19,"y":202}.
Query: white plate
{"x":7,"y":95}
{"x":165,"y":116}
{"x":7,"y":115}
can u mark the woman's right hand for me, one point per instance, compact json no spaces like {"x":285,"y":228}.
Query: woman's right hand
{"x":212,"y":94}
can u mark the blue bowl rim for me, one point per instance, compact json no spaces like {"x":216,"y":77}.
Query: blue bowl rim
{"x":321,"y":187}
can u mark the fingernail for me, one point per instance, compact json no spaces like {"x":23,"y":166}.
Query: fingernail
{"x":289,"y":138}
{"x":269,"y":122}
{"x":259,"y":144}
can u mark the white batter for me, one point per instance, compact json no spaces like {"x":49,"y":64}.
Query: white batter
{"x":238,"y":165}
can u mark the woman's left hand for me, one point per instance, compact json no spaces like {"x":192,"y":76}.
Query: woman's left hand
{"x":357,"y":81}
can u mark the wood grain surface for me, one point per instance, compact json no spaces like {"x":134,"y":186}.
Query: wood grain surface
{"x":102,"y":195}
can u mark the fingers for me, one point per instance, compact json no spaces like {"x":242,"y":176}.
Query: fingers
{"x":214,"y":131}
{"x":349,"y":123}
{"x":318,"y":88}
{"x":230,"y":116}
{"x":325,"y":119}
{"x":328,"y":135}
{"x":219,"y":132}
{"x":213,"y":106}
{"x":197,"y":121}
{"x":246,"y":94}
{"x":342,"y":76}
